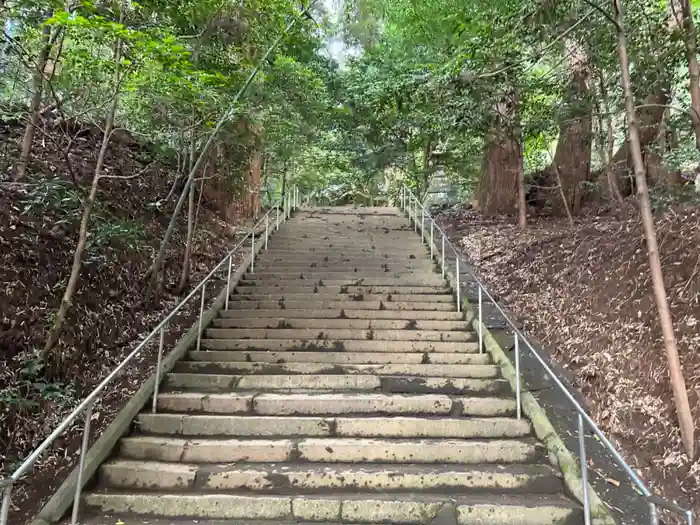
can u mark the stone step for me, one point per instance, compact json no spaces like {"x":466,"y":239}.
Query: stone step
{"x":358,"y":345}
{"x":337,"y":383}
{"x":340,"y":358}
{"x":405,"y":243}
{"x":335,"y":303}
{"x":395,"y":508}
{"x":333,"y":404}
{"x":338,"y":334}
{"x":417,"y":370}
{"x":343,"y":314}
{"x":333,"y":450}
{"x":403,"y":427}
{"x":346,"y":324}
{"x":409,"y":252}
{"x":325,"y":294}
{"x":348,"y":267}
{"x":309,"y":478}
{"x":327,"y":289}
{"x":319,"y":274}
{"x":431,"y":280}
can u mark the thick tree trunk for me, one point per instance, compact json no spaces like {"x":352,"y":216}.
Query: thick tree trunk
{"x":35,"y":105}
{"x":649,"y":118}
{"x":498,"y":188}
{"x":573,"y":155}
{"x":677,"y":382}
{"x":498,"y":185}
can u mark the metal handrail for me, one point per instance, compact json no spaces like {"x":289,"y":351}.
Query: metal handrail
{"x":289,"y":202}
{"x":407,"y":200}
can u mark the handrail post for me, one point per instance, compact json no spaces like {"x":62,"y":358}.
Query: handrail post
{"x":201,"y":313}
{"x":6,"y":497}
{"x":81,"y":463}
{"x":277,"y":220}
{"x":481,"y":328}
{"x":228,"y":281}
{"x":415,"y":214}
{"x":252,"y":251}
{"x":459,"y":292}
{"x":267,"y":228}
{"x":584,"y":471}
{"x":159,"y":362}
{"x":422,"y":224}
{"x":432,"y":248}
{"x":443,"y":255}
{"x":653,"y":514}
{"x":517,"y":376}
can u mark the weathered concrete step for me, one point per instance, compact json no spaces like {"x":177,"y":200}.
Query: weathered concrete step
{"x":408,"y":243}
{"x":338,"y":383}
{"x":403,"y":427}
{"x":336,"y":303}
{"x":380,"y":275}
{"x":333,"y":450}
{"x":344,"y":314}
{"x":358,"y":345}
{"x":288,"y":321}
{"x":324,"y":294}
{"x":332,"y":274}
{"x":338,"y":334}
{"x":314,"y":478}
{"x":314,"y":289}
{"x":340,"y":358}
{"x":409,"y":252}
{"x":333,"y":404}
{"x":430,"y":280}
{"x":396,"y":508}
{"x":363,"y":259}
{"x":345,"y":265}
{"x":416,"y":370}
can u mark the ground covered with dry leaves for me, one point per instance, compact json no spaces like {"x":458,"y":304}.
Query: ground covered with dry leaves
{"x":38,"y":232}
{"x":585,"y":293}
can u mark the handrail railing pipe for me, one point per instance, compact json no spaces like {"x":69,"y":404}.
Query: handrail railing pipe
{"x":442,"y":260}
{"x":252,"y":252}
{"x":459,"y":294}
{"x":584,"y":471}
{"x":481,"y":329}
{"x":228,"y":281}
{"x":159,"y":363}
{"x":267,"y":230}
{"x":200,"y":328}
{"x":432,"y":247}
{"x":518,"y":410}
{"x":583,"y":419}
{"x":85,"y":407}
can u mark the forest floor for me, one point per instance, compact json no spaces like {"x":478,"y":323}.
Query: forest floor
{"x":38,"y":230}
{"x":584,"y":292}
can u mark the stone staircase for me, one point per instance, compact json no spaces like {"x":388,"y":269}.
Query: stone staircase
{"x":340,"y":386}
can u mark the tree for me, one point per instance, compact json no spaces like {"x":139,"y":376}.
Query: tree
{"x":677,"y":382}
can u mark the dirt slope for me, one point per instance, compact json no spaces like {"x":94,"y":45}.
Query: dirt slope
{"x":38,"y":232}
{"x":585,"y":293}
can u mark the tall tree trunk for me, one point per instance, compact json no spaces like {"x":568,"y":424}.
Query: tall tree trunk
{"x":497,"y":191}
{"x":66,"y":300}
{"x":572,"y":158}
{"x":691,"y":46}
{"x":677,"y":382}
{"x":35,"y":104}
